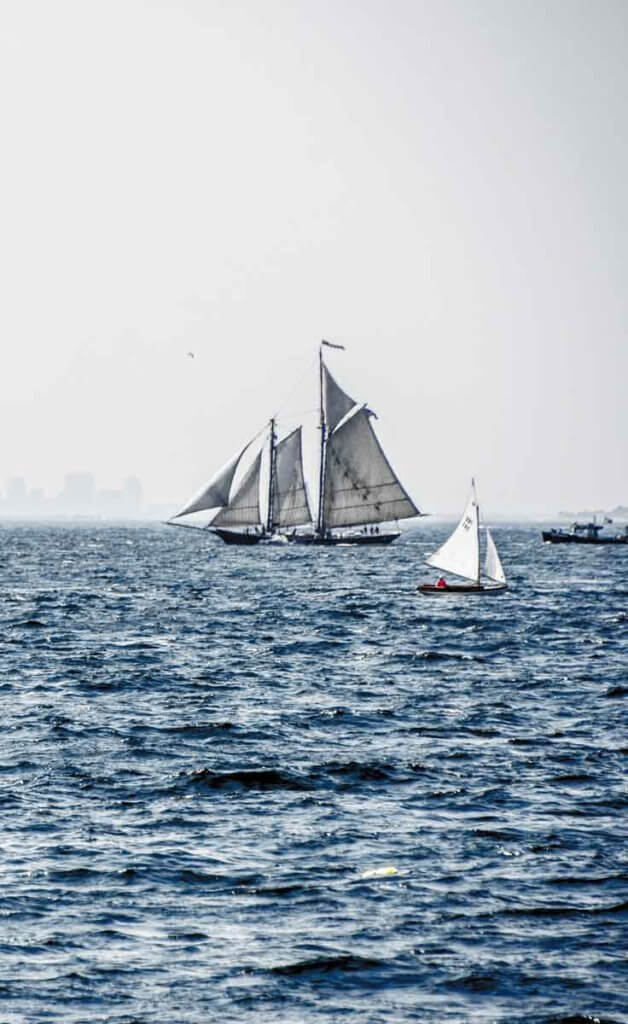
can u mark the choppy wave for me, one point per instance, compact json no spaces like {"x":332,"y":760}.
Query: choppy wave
{"x":279,"y":785}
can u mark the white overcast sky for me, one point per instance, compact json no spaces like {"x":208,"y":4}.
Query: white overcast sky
{"x":440,"y":186}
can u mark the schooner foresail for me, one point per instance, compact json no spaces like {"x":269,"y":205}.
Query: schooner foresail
{"x":460,"y":555}
{"x":215,"y":494}
{"x":290,"y":506}
{"x":238,"y":511}
{"x":244,"y":508}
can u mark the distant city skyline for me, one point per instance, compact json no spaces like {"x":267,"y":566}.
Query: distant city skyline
{"x":78,"y":496}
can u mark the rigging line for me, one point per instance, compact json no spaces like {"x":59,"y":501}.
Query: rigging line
{"x":300,"y":380}
{"x":184,"y":526}
{"x":258,"y":434}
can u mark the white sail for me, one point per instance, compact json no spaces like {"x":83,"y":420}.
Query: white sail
{"x":290,"y":504}
{"x":243,"y":509}
{"x":460,"y":553}
{"x":493,"y":567}
{"x":336,"y":403}
{"x":360,"y":484}
{"x":216,"y":493}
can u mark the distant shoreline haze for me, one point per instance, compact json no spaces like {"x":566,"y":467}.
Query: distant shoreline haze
{"x":81,"y":499}
{"x":79,"y":496}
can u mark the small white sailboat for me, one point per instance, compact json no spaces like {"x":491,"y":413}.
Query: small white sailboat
{"x":460,"y":555}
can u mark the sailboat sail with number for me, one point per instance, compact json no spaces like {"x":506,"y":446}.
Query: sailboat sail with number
{"x":460,"y":555}
{"x":358,"y":489}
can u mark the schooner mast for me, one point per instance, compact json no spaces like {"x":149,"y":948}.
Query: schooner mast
{"x":272,"y":456}
{"x":325,"y":377}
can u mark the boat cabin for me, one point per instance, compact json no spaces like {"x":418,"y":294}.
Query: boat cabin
{"x":586,"y":529}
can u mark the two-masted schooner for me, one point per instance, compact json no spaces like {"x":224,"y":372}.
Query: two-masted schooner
{"x":357,"y":487}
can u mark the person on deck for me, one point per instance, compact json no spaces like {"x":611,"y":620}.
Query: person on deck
{"x":441,"y":582}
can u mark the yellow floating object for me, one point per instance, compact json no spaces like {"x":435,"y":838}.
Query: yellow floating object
{"x":382,"y":872}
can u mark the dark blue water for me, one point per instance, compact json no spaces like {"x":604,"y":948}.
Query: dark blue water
{"x":277,"y":785}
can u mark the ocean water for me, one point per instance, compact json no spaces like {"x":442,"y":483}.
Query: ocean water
{"x":277,"y":785}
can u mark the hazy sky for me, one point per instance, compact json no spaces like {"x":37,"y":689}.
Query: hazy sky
{"x":440,"y":186}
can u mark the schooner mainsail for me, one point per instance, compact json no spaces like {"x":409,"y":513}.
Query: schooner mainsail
{"x":460,"y":555}
{"x":358,"y":489}
{"x":357,"y":485}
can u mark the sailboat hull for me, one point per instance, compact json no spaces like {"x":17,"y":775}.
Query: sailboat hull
{"x":333,"y":540}
{"x":431,"y":590}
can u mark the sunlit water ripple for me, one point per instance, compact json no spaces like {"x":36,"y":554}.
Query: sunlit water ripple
{"x":277,"y":785}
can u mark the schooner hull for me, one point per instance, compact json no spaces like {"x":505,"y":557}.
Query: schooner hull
{"x":556,"y":537}
{"x":237,"y":536}
{"x":432,"y":590}
{"x":332,"y":540}
{"x":247,"y":539}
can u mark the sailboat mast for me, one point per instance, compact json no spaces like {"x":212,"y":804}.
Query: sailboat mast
{"x":320,"y":524}
{"x":271,"y":476}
